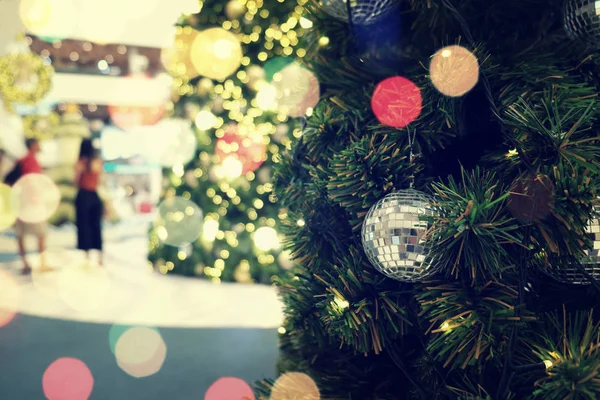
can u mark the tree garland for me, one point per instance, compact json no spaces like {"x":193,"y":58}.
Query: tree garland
{"x":20,"y":69}
{"x":40,"y":127}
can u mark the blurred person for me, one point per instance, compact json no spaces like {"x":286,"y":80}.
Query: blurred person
{"x":29,"y":165}
{"x":89,"y":208}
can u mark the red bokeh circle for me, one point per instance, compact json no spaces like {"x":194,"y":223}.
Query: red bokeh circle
{"x":132,"y":116}
{"x":249,"y":149}
{"x":67,"y":379}
{"x":229,"y":389}
{"x":396,"y":102}
{"x":129,"y":117}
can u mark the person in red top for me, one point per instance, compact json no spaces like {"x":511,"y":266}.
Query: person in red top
{"x":88,"y":205}
{"x":30,"y":165}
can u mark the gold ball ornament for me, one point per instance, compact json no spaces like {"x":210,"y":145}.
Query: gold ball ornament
{"x":24,"y":79}
{"x":216,"y":53}
{"x":235,"y":9}
{"x":177,"y":60}
{"x":454,"y":71}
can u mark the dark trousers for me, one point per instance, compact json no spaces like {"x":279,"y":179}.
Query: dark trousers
{"x":89,"y":210}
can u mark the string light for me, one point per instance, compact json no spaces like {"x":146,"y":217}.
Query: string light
{"x":341,"y":303}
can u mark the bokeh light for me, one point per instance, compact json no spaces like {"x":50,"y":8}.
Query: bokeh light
{"x":179,"y":221}
{"x":49,"y":18}
{"x":177,"y":60}
{"x":275,"y":65}
{"x":115,"y":333}
{"x":84,"y":288}
{"x":265,"y":238}
{"x":10,"y":298}
{"x":8,"y":208}
{"x":128,"y":117}
{"x":454,"y":71}
{"x":36,"y":197}
{"x":35,"y":14}
{"x":285,"y":260}
{"x":246,"y":146}
{"x":211,"y":228}
{"x":216,"y":53}
{"x":235,"y":9}
{"x":92,"y":21}
{"x":295,"y":385}
{"x":231,"y":168}
{"x":229,"y":388}
{"x":256,"y":76}
{"x":205,"y":120}
{"x":297,"y":90}
{"x":182,"y":142}
{"x":266,"y":97}
{"x":67,"y":379}
{"x":140,"y":351}
{"x":204,"y":86}
{"x":396,"y":102}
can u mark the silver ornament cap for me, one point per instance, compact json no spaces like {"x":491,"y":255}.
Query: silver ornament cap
{"x":364,"y":12}
{"x":582,"y":21}
{"x":393,"y":235}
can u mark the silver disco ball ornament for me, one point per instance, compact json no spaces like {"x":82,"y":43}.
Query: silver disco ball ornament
{"x":590,"y":263}
{"x":393,"y":235}
{"x":364,"y":12}
{"x":582,"y":21}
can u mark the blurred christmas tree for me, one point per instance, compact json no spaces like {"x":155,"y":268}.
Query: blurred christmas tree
{"x":446,"y":184}
{"x":229,"y":64}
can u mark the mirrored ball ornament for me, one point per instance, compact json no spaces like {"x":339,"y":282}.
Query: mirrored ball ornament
{"x":590,"y":262}
{"x":582,"y":21}
{"x":393,"y":236}
{"x":364,"y":12}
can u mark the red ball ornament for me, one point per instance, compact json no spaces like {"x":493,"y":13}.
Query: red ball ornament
{"x":249,"y":148}
{"x":396,"y":102}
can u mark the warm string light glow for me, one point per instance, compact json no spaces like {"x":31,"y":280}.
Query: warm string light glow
{"x":241,"y":152}
{"x":454,"y":71}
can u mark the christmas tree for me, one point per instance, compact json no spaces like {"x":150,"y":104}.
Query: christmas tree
{"x":441,"y":204}
{"x":227,"y":65}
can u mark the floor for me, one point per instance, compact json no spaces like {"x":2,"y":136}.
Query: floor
{"x":137,"y":334}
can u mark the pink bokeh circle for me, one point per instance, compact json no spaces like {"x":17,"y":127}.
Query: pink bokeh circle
{"x":396,"y":102}
{"x":229,"y":388}
{"x":67,"y":379}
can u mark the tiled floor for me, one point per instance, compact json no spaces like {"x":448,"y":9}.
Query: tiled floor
{"x":195,"y":359}
{"x":210,"y":331}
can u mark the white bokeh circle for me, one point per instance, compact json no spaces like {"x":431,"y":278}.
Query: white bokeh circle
{"x":36,"y":198}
